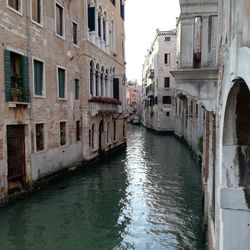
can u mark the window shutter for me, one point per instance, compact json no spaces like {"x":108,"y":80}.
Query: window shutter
{"x":7,"y":73}
{"x":116,"y":88}
{"x":91,"y":18}
{"x":25,"y":77}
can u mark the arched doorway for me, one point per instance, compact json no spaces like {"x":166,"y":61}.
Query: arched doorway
{"x":235,"y":190}
{"x":101,"y":129}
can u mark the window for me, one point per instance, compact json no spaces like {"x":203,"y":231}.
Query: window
{"x":112,"y":1}
{"x":37,"y":11}
{"x":122,"y":12}
{"x":166,"y":82}
{"x":59,"y":20}
{"x":61,"y":75}
{"x":91,"y":18}
{"x":112,"y":34}
{"x":99,"y":26}
{"x":167,"y":38}
{"x":16,"y":77}
{"x":15,"y":4}
{"x":166,"y":100}
{"x":76,"y":89}
{"x":78,"y":130}
{"x":75,"y":33}
{"x":116,"y":88}
{"x":39,"y":137}
{"x":62,"y":133}
{"x":167,"y":58}
{"x":168,"y":114}
{"x":38,"y":77}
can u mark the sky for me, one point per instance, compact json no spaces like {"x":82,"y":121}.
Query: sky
{"x":142,"y":19}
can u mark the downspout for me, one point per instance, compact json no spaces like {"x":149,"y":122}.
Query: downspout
{"x":29,"y":55}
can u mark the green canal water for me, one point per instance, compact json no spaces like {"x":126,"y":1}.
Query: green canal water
{"x":147,"y":197}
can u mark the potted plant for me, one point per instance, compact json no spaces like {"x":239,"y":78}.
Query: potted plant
{"x":16,"y":88}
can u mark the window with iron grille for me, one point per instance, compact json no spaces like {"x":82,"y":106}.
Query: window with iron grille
{"x":39,"y":137}
{"x":62,"y":133}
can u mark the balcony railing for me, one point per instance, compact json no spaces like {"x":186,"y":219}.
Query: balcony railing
{"x":18,"y":91}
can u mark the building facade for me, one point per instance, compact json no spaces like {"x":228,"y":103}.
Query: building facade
{"x":158,"y":86}
{"x":134,"y":98}
{"x":212,"y":78}
{"x":62,"y":82}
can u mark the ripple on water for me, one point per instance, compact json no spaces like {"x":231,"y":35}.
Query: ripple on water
{"x":146,"y":198}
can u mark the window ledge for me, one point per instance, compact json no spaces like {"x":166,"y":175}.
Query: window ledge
{"x":39,"y":96}
{"x":14,"y":10}
{"x":61,"y":37}
{"x":38,"y":24}
{"x":16,"y":104}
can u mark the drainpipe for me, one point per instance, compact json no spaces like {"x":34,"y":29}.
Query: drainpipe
{"x":29,"y":55}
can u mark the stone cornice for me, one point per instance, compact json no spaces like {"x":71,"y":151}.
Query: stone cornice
{"x":195,"y":74}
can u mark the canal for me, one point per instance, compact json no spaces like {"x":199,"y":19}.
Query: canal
{"x":147,"y":197}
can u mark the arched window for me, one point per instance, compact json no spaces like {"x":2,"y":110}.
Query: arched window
{"x":112,"y":34}
{"x":102,"y":82}
{"x":104,"y":28}
{"x":100,"y":22}
{"x":91,"y":77}
{"x":107,"y":91}
{"x":97,"y":82}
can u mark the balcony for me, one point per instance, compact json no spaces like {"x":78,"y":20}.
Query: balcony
{"x":200,"y":83}
{"x":103,"y":104}
{"x":151,"y":73}
{"x":18,"y":93}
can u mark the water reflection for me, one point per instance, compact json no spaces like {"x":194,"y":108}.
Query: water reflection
{"x":145,"y":198}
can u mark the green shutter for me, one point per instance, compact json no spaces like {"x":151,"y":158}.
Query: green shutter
{"x":91,"y":18}
{"x":25,"y":77}
{"x":7,"y":74}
